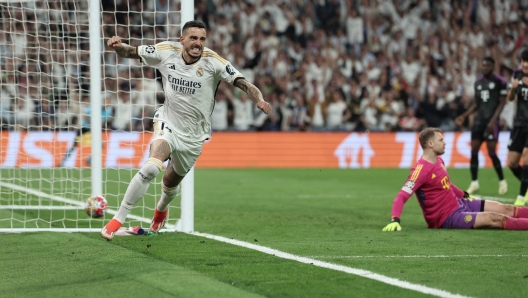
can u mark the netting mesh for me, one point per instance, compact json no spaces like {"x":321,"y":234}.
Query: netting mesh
{"x":45,"y":108}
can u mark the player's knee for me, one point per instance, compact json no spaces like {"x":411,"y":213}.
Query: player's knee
{"x":151,"y":168}
{"x":512,"y":163}
{"x":495,"y":219}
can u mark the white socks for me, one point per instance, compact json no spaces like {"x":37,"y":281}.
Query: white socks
{"x":138,"y":187}
{"x":168,"y":194}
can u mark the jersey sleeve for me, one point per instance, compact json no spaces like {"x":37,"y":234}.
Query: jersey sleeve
{"x":224,"y":69}
{"x":151,"y":54}
{"x":415,"y":180}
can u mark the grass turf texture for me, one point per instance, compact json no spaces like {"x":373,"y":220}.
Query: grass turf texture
{"x":329,"y":215}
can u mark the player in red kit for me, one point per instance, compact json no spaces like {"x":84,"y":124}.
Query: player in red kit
{"x":443,"y":204}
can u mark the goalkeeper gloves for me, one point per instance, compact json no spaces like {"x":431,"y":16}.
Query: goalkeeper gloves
{"x":393,"y":226}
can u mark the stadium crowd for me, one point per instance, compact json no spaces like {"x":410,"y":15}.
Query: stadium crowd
{"x":325,"y":65}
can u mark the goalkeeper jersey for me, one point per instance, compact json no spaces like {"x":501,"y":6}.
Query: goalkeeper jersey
{"x":189,"y":88}
{"x":435,"y":192}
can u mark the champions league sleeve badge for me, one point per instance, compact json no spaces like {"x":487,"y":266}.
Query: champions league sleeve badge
{"x":408,"y":187}
{"x":150,"y":49}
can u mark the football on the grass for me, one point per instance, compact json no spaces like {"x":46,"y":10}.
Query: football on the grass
{"x":96,"y":206}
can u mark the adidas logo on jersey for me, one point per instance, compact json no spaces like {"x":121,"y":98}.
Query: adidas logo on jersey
{"x":173,"y":67}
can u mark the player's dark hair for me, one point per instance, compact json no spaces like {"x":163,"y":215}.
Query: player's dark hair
{"x":427,"y":134}
{"x":489,"y":59}
{"x":193,"y":24}
{"x":524,"y":55}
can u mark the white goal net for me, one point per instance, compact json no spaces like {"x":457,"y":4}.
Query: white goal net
{"x":47,"y":106}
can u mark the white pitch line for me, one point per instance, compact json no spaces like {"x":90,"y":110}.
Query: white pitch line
{"x":419,"y":256}
{"x":360,"y":272}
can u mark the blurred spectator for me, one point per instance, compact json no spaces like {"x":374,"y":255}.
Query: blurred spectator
{"x":300,"y":118}
{"x":46,"y":115}
{"x":317,"y":111}
{"x":123,"y":111}
{"x":23,"y":111}
{"x":335,"y":110}
{"x":243,"y":117}
{"x":409,"y":122}
{"x":220,"y":114}
{"x":66,"y":117}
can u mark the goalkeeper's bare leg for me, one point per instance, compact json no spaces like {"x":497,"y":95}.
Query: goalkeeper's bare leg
{"x":170,"y":188}
{"x":160,"y":151}
{"x":502,"y":216}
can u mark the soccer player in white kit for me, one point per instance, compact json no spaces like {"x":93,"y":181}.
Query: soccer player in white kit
{"x":191,"y":74}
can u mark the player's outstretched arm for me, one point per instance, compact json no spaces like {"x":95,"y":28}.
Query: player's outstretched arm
{"x":122,"y":49}
{"x":254,"y":94}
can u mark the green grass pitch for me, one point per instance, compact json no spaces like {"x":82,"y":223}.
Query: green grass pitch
{"x":329,"y":215}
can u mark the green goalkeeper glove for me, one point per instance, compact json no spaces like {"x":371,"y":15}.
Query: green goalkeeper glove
{"x":393,"y":226}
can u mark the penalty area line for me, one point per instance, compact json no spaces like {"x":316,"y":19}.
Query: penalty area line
{"x":359,"y":272}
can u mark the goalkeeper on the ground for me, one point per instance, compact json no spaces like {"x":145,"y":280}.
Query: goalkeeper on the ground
{"x":443,"y":204}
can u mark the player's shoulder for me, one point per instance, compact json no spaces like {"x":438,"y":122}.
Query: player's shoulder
{"x":168,"y":46}
{"x":212,"y":56}
{"x":420,"y":165}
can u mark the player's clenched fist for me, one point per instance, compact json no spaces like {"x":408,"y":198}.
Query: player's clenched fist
{"x":264,"y":106}
{"x":114,"y":42}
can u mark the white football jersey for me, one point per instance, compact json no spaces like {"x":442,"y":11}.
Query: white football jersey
{"x":189,"y":88}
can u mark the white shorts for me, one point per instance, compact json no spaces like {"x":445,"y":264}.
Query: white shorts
{"x":184,"y":153}
{"x":157,"y":119}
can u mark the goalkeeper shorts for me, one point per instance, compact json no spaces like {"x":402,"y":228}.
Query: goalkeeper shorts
{"x":464,"y":216}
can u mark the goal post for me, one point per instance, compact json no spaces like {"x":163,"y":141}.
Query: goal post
{"x":57,"y":79}
{"x":187,"y":195}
